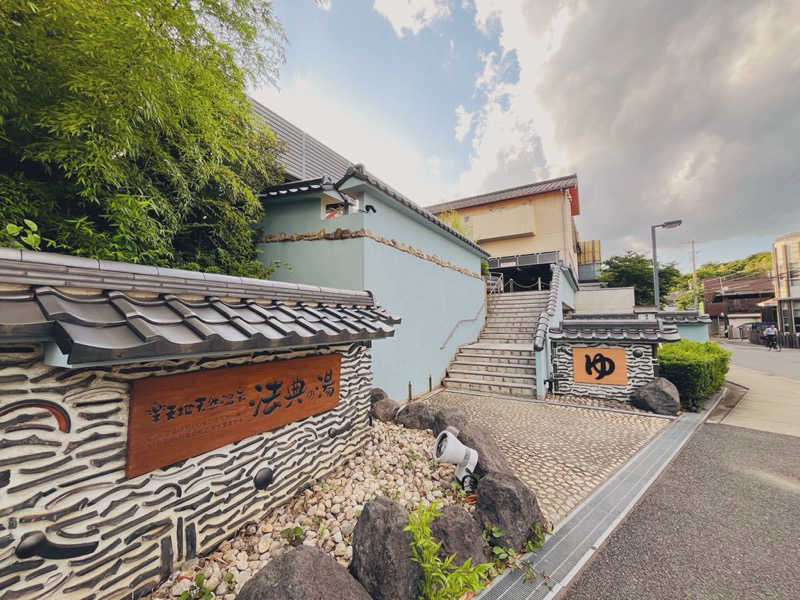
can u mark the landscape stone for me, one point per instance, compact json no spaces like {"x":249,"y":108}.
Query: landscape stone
{"x":505,"y":502}
{"x":659,"y":396}
{"x":382,"y":552}
{"x":490,"y":456}
{"x":416,"y":415}
{"x":385,"y":409}
{"x":460,"y":534}
{"x":376,"y":394}
{"x":302,"y":574}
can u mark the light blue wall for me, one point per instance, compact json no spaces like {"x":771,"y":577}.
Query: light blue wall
{"x":697,"y":332}
{"x":429,"y":298}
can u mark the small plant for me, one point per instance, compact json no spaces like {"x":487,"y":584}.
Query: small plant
{"x":294,"y":535}
{"x":441,"y":580}
{"x":537,"y":537}
{"x":198,"y":591}
{"x":230,"y":582}
{"x":458,"y":491}
{"x":502,"y":556}
{"x":492,"y":535}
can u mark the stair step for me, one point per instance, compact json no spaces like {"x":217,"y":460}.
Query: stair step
{"x":468,"y":372}
{"x":526,"y":361}
{"x":493,"y":366}
{"x":520,"y":338}
{"x":508,"y":389}
{"x":510,"y":314}
{"x":504,"y":329}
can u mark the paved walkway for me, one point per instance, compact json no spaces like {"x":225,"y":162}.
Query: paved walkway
{"x":562,"y":453}
{"x":721,"y":522}
{"x":772,"y":402}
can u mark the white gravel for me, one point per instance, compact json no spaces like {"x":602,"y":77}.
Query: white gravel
{"x":395,"y":462}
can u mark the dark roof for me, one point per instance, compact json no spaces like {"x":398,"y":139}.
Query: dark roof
{"x":609,"y":330}
{"x":305,"y":157}
{"x":530,"y":189}
{"x":360,"y":173}
{"x":102,"y":324}
{"x":670,"y":317}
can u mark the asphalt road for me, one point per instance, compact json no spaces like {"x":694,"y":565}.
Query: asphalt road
{"x":722,"y":521}
{"x":785,"y":363}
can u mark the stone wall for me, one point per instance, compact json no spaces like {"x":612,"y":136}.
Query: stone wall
{"x":72,"y":526}
{"x":641,"y":369}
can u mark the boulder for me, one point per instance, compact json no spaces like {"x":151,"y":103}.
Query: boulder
{"x":384,"y":409}
{"x":416,"y":415}
{"x":376,"y":394}
{"x":459,"y":534}
{"x":490,"y":456}
{"x":659,"y":396}
{"x":382,"y":552}
{"x":505,"y":502}
{"x":302,"y":574}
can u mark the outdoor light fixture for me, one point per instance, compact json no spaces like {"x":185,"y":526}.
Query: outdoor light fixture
{"x":447,"y":448}
{"x":664,"y":225}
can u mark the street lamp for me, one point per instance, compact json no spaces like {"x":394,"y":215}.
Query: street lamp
{"x":664,"y":225}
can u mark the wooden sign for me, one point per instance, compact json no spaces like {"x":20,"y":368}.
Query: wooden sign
{"x":603,"y":366}
{"x":179,"y":416}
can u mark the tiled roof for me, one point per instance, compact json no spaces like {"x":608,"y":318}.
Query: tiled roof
{"x":359,"y":172}
{"x":669,"y":317}
{"x":299,"y":187}
{"x":530,"y":189}
{"x":305,"y":156}
{"x":608,"y":330}
{"x":105,"y":325}
{"x":543,"y":323}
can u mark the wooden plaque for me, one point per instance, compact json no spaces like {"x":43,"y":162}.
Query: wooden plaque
{"x":179,"y":416}
{"x":601,"y":366}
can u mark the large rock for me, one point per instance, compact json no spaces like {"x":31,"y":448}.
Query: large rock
{"x":416,"y":415}
{"x":302,"y":574}
{"x":505,"y":502}
{"x":376,"y":394}
{"x":490,"y":456}
{"x":384,"y":409}
{"x":659,"y":396}
{"x":460,"y":534}
{"x":382,"y":552}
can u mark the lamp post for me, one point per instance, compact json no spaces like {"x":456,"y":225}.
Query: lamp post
{"x":664,"y":225}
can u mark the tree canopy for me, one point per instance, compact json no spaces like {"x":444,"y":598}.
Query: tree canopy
{"x":754,"y":264}
{"x":126,"y":133}
{"x":636,"y":269}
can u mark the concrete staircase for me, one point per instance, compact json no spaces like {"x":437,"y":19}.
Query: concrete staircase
{"x":501,"y":361}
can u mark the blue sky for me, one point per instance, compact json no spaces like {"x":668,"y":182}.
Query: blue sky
{"x":665,"y":110}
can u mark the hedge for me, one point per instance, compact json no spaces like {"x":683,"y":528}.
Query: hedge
{"x":697,"y":369}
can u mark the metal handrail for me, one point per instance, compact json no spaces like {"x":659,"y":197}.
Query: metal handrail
{"x":453,"y":330}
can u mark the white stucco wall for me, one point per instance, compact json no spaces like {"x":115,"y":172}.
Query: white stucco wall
{"x":605,"y":300}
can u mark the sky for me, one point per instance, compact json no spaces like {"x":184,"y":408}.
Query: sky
{"x":666,"y":110}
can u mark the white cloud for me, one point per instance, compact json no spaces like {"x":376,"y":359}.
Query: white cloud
{"x":360,"y":133}
{"x":412,"y":15}
{"x":463,"y":122}
{"x":665,"y":110}
{"x":324,"y":4}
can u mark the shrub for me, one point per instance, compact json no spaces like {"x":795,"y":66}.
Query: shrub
{"x":697,"y":369}
{"x":441,"y":579}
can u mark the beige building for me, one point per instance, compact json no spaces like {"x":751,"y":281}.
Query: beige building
{"x":786,"y":280}
{"x":524,"y":227}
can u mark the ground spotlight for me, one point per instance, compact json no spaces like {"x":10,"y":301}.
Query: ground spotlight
{"x":447,"y":448}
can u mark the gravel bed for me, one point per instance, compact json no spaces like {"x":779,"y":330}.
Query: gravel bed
{"x":395,"y":462}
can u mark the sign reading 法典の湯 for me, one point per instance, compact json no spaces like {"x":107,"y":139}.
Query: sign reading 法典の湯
{"x":604,"y":366}
{"x":179,"y":416}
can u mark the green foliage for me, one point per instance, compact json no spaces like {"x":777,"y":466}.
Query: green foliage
{"x":294,"y":535}
{"x":492,"y":535}
{"x":484,"y":267}
{"x":125,"y":130}
{"x":454,"y":219}
{"x":458,"y":491}
{"x":198,"y":591}
{"x":23,"y":236}
{"x":441,"y":580}
{"x":755,"y":264}
{"x":697,"y":369}
{"x":635,"y":269}
{"x":537,"y":538}
{"x":230,"y":582}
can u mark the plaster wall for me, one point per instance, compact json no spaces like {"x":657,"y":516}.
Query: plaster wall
{"x":697,"y":332}
{"x":605,"y":300}
{"x":126,"y":536}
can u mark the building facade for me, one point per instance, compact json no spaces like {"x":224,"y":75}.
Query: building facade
{"x":524,"y":229}
{"x":786,"y":281}
{"x":733,"y":302}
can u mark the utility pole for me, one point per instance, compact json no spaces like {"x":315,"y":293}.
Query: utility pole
{"x":694,"y":277}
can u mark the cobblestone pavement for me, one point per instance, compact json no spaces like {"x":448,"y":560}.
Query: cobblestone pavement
{"x":596,"y":402}
{"x":562,"y":453}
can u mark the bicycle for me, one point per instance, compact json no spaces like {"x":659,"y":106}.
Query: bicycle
{"x":772,"y":343}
